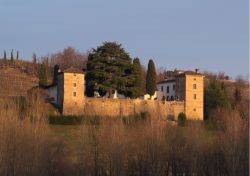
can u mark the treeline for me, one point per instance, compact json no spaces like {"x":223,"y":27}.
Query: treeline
{"x":106,"y":146}
{"x":226,"y":94}
{"x":109,"y":67}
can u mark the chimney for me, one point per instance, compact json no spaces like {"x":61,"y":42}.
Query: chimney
{"x":196,"y":70}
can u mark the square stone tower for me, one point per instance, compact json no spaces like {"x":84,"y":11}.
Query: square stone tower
{"x":70,"y":91}
{"x":190,"y":89}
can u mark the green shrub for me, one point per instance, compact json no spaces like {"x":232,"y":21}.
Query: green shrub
{"x":143,"y":116}
{"x":65,"y":120}
{"x":182,"y":118}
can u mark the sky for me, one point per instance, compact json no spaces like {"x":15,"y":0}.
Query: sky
{"x":211,"y":35}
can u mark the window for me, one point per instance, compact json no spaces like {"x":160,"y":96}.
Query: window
{"x":167,"y":89}
{"x":74,"y":74}
{"x":194,"y":79}
{"x":162,"y":88}
{"x":194,"y":109}
{"x":195,"y":96}
{"x":174,"y":87}
{"x":74,"y":84}
{"x":194,"y":86}
{"x":74,"y":94}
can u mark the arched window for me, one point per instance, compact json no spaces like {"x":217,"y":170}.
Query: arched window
{"x":167,"y":89}
{"x":163,"y":98}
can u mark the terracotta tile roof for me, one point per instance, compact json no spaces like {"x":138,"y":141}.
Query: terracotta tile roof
{"x":72,"y":70}
{"x":189,"y":73}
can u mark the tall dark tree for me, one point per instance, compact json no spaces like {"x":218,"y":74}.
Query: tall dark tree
{"x":110,"y":67}
{"x":56,"y":69}
{"x":138,"y":73}
{"x":34,"y":59}
{"x":11,"y":57}
{"x":42,"y":75}
{"x":151,"y":78}
{"x":4,"y":57}
{"x":17,"y":55}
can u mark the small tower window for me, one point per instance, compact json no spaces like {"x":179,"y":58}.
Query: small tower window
{"x":194,"y":109}
{"x":167,"y":89}
{"x":194,"y":86}
{"x":74,"y":74}
{"x":162,"y":88}
{"x":174,"y":87}
{"x":74,"y":94}
{"x":74,"y":84}
{"x":195,"y":96}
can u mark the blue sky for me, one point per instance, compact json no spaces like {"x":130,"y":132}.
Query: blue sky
{"x":186,"y":34}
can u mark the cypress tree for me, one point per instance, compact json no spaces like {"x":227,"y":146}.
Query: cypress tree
{"x":11,"y":57}
{"x":56,"y":68}
{"x":17,"y":55}
{"x":4,"y":57}
{"x":42,"y":75}
{"x":151,"y":78}
{"x":138,"y":73}
{"x":34,"y":60}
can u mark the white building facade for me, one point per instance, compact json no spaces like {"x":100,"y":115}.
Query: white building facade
{"x":167,"y":90}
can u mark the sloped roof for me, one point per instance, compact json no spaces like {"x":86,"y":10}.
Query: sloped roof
{"x":73,"y":70}
{"x":190,"y":73}
{"x":166,"y":81}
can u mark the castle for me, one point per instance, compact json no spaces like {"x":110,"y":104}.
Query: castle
{"x":183,"y":93}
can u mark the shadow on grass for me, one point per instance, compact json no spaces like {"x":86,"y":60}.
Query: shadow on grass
{"x":94,"y":120}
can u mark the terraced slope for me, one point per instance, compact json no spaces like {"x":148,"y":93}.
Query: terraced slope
{"x":14,"y":82}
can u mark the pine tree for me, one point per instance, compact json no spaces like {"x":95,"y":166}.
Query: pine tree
{"x":42,"y":75}
{"x":110,"y":66}
{"x":4,"y":58}
{"x":11,"y":57}
{"x":151,"y":78}
{"x":138,"y":73}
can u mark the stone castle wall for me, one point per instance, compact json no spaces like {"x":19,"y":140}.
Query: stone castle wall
{"x":126,"y":107}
